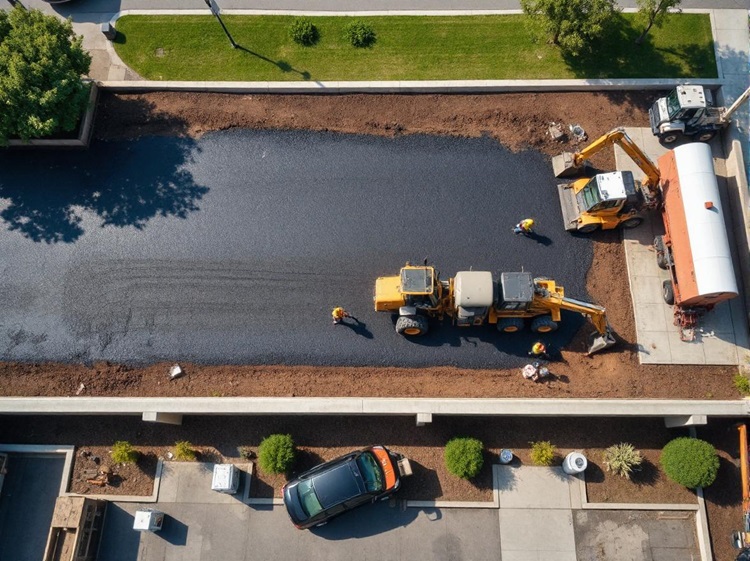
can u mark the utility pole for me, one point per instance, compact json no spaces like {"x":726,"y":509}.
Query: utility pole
{"x":215,"y":11}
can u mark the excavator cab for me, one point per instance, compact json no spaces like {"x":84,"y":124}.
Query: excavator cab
{"x":607,"y":193}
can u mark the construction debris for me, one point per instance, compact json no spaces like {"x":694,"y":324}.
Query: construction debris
{"x":578,"y":133}
{"x":81,"y":389}
{"x":176,"y":372}
{"x":555,"y":130}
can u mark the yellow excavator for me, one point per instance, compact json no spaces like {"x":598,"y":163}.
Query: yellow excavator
{"x":606,"y":200}
{"x":477,"y":298}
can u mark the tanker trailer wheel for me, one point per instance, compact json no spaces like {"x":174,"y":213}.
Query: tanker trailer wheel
{"x":510,"y":325}
{"x":667,"y":290}
{"x":412,"y":326}
{"x":706,"y":136}
{"x":633,"y":222}
{"x":661,"y":253}
{"x":543,"y":324}
{"x":588,"y":228}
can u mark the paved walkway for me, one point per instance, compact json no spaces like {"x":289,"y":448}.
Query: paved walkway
{"x":723,"y":335}
{"x":541,"y":516}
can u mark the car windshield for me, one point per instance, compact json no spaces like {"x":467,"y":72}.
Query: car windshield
{"x":372,"y":475}
{"x":308,"y":499}
{"x":673,"y":104}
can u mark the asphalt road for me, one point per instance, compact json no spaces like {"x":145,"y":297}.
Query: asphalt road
{"x":235,"y":248}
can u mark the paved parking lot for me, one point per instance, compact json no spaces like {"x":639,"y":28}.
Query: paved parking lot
{"x":538,"y":516}
{"x":235,"y":247}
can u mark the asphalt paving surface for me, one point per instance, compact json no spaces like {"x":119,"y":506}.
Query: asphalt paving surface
{"x":235,"y":247}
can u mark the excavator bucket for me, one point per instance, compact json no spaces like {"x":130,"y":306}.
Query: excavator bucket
{"x":598,"y":342}
{"x":564,"y":166}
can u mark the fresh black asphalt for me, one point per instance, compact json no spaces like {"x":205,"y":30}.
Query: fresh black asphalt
{"x":234,"y":248}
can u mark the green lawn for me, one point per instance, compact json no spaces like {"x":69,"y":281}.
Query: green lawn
{"x":407,"y":48}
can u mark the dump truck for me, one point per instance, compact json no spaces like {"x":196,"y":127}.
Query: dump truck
{"x":689,"y":111}
{"x":684,"y":189}
{"x":417,"y":295}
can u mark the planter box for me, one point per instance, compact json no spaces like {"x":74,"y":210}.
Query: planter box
{"x":84,"y":130}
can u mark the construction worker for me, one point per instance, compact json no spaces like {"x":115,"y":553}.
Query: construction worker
{"x":524,"y":227}
{"x":538,"y":350}
{"x":339,"y":314}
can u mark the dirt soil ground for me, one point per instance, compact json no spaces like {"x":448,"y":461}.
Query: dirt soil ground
{"x":519,"y":121}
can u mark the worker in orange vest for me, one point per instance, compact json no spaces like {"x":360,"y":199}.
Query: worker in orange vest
{"x":524,"y":227}
{"x":339,"y":314}
{"x":538,"y":350}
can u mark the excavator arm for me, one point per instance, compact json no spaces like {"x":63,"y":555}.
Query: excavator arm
{"x":555,"y":301}
{"x":568,"y":164}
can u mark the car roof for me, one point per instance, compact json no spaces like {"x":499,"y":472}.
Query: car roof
{"x":338,"y":484}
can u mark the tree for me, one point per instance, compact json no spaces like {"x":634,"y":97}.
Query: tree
{"x":570,"y":24}
{"x":41,"y":65}
{"x":653,"y":12}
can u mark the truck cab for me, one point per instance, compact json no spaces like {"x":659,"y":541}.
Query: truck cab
{"x":688,"y":111}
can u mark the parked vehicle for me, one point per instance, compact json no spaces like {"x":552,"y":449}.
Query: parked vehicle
{"x":358,"y":478}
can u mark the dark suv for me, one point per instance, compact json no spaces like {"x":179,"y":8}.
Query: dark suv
{"x":334,"y":487}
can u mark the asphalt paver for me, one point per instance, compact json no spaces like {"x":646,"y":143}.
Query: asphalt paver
{"x":234,"y":248}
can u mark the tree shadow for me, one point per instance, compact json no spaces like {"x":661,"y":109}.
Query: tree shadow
{"x":123,"y":185}
{"x":616,"y":55}
{"x":645,"y":474}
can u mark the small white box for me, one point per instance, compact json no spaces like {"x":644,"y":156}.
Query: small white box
{"x":226,"y":479}
{"x":148,"y":520}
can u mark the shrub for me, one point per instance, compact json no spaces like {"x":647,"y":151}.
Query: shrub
{"x":359,"y":34}
{"x":742,"y":384}
{"x":621,"y":458}
{"x":464,"y":457}
{"x":276,"y":453}
{"x":184,"y":452}
{"x":123,"y":453}
{"x":303,"y":32}
{"x":542,"y":453}
{"x":690,"y":462}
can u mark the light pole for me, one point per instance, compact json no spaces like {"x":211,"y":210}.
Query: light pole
{"x":215,"y":11}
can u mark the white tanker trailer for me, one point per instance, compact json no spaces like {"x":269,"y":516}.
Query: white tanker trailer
{"x":695,"y":247}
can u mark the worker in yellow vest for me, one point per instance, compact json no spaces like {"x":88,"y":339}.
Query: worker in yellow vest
{"x":524,"y":227}
{"x":538,"y":350}
{"x":339,"y":314}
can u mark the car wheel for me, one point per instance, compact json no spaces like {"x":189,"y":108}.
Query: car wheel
{"x":706,"y":136}
{"x":510,"y":325}
{"x":588,"y":228}
{"x":661,"y":253}
{"x":633,"y":222}
{"x":543,"y":324}
{"x":412,"y":325}
{"x":668,"y":292}
{"x":670,"y":137}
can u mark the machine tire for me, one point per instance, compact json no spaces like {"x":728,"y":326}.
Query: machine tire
{"x":412,"y":326}
{"x":667,"y":291}
{"x":588,"y":228}
{"x":510,"y":325}
{"x":670,"y":137}
{"x":633,"y":222}
{"x":706,"y":136}
{"x":543,"y":324}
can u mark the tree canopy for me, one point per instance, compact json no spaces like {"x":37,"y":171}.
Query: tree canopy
{"x":570,"y":24}
{"x":41,"y":65}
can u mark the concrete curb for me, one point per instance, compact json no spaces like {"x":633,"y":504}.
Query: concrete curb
{"x":84,"y":135}
{"x":405,"y":86}
{"x":371,"y":406}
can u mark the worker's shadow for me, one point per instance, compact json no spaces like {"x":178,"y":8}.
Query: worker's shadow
{"x":538,"y":238}
{"x":359,"y":327}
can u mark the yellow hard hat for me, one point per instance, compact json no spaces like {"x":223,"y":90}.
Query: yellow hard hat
{"x":531,"y":221}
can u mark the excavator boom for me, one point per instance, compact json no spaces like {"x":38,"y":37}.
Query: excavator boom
{"x":570,"y":165}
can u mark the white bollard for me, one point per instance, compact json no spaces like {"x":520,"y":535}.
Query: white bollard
{"x":575,"y":462}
